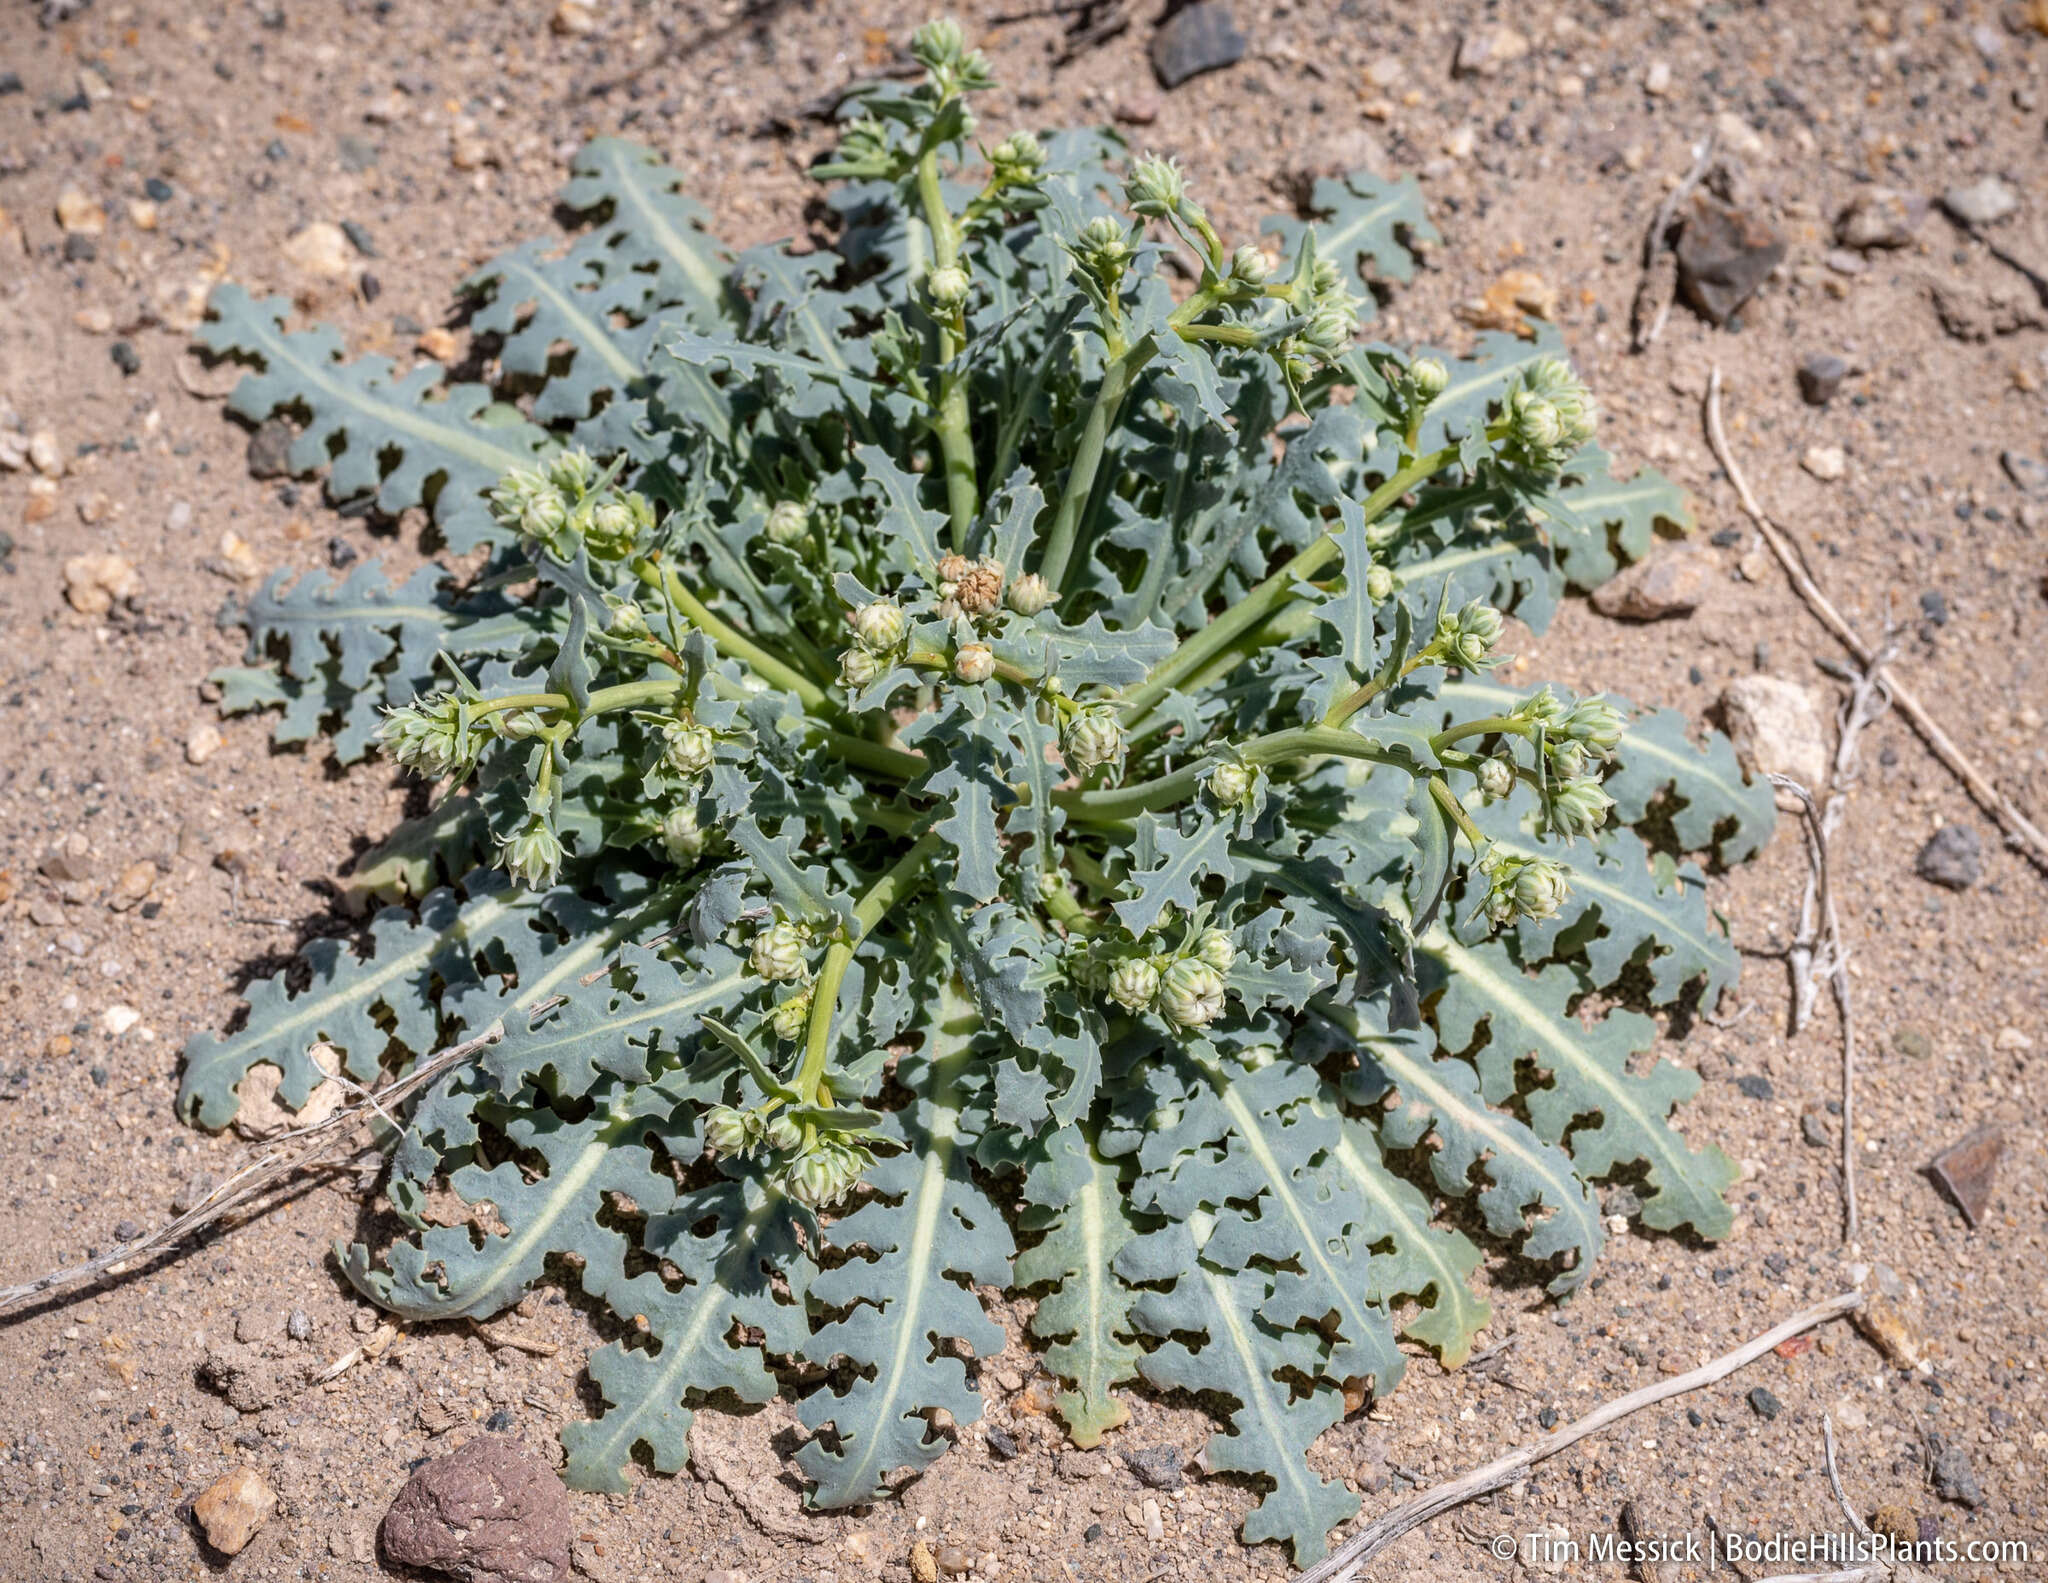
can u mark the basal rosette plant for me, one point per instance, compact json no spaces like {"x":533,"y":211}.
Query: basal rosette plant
{"x":977,"y":756}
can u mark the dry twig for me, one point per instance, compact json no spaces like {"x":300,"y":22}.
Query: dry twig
{"x":274,"y":1165}
{"x":1345,"y":1563}
{"x":1652,"y":308}
{"x":2020,"y":832}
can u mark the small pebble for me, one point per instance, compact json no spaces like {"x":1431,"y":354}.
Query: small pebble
{"x":1826,"y":462}
{"x":1953,"y":858}
{"x":1764,"y":1404}
{"x":299,"y":1326}
{"x":125,"y":357}
{"x":1813,"y":1130}
{"x":1756,"y":1086}
{"x":1913,"y":1044}
{"x":1820,"y":376}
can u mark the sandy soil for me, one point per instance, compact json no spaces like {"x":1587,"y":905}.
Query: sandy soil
{"x":262,"y":121}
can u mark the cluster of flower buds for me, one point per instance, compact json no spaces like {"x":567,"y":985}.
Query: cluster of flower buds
{"x":1155,"y":189}
{"x":790,"y":1017}
{"x":780,"y":953}
{"x":1521,"y":887}
{"x":566,"y":502}
{"x":817,"y":1174}
{"x":1465,"y":637}
{"x":1104,"y":249}
{"x":970,"y":588}
{"x":1017,"y":161}
{"x":951,"y":67}
{"x":434,"y":737}
{"x":1186,"y":987}
{"x":1332,"y":322}
{"x":532,"y":854}
{"x":878,"y":632}
{"x":1094,"y":737}
{"x":1550,"y":415}
{"x":1576,"y":739}
{"x":1230,"y":784}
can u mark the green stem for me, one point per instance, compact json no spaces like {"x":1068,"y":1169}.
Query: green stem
{"x":734,"y":643}
{"x":1345,"y":708}
{"x":1271,"y":594}
{"x":1123,"y":367}
{"x":867,"y":912}
{"x":1123,"y":802}
{"x":956,"y":444}
{"x":1481,"y":728}
{"x":1447,"y":800}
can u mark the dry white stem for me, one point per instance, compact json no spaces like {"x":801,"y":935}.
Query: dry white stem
{"x":1827,"y":1429}
{"x":1346,"y":1561}
{"x":1656,"y":242}
{"x":273,"y":1165}
{"x":2020,"y":832}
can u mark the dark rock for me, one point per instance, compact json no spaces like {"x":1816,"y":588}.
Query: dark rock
{"x":79,"y":249}
{"x":1933,"y":607}
{"x":1156,"y":1467}
{"x":1002,"y":1445}
{"x":1965,"y":1171}
{"x":499,"y":1421}
{"x":1813,"y":1130}
{"x":1547,"y":1417}
{"x":1953,"y":857}
{"x":1764,"y":1404}
{"x":1880,"y":217}
{"x":1820,"y":376}
{"x":1756,"y":1086}
{"x":276,"y":151}
{"x":370,"y":286}
{"x":125,"y":357}
{"x":1724,"y":255}
{"x":1982,"y":202}
{"x":358,"y":236}
{"x":1091,"y":1533}
{"x":490,"y":1512}
{"x":10,"y":82}
{"x":158,"y":190}
{"x":1954,"y":1479}
{"x":127,"y":1231}
{"x":341,"y":553}
{"x":1201,"y":37}
{"x":270,"y":448}
{"x":2031,"y":476}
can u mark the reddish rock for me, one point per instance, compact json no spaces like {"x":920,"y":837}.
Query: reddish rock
{"x":491,"y":1512}
{"x":1672,"y":584}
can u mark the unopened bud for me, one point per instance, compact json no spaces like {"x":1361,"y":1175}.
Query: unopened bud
{"x":974,"y":663}
{"x":787,"y":523}
{"x":1230,"y":784}
{"x":1030,"y":594}
{"x":1191,"y":993}
{"x":1134,"y":984}
{"x":777,"y":953}
{"x":879,"y":627}
{"x":947,"y":289}
{"x":687,"y":749}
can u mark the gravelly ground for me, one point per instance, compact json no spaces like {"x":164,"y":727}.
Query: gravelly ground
{"x":260,"y":123}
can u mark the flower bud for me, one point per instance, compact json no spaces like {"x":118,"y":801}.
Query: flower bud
{"x":1496,"y":778}
{"x":1214,"y":947}
{"x":516,"y":725}
{"x":1093,"y":738}
{"x":512,"y":493}
{"x":1544,"y":707}
{"x":947,"y":289}
{"x":1030,"y":594}
{"x":826,"y":1174}
{"x":1465,"y":638}
{"x":1579,"y":807}
{"x":1103,"y":248}
{"x":938,"y":44}
{"x":1329,"y":332}
{"x":533,"y":856}
{"x":1155,"y":187}
{"x":1018,"y":158}
{"x":1379,"y":583}
{"x":879,"y":627}
{"x":790,"y":1017}
{"x":546,"y":516}
{"x":1568,"y":758}
{"x":687,"y":749}
{"x":1230,"y":784}
{"x":1597,"y":723}
{"x":1327,"y":278}
{"x":681,"y":836}
{"x":1248,"y":266}
{"x":1522,"y":887}
{"x":975,"y":663}
{"x":1134,"y":984}
{"x":609,"y":526}
{"x":1428,"y":379}
{"x":726,"y":1130}
{"x":781,"y":1134}
{"x":777,"y":953}
{"x":429,"y":737}
{"x":628,"y":619}
{"x":572,"y":472}
{"x":1191,"y":993}
{"x":859,"y":669}
{"x":788,"y":523}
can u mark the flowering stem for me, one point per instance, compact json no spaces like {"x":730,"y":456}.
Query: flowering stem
{"x":731,"y":641}
{"x":1345,"y":708}
{"x":867,"y":912}
{"x":1480,"y":728}
{"x":1123,"y":367}
{"x":956,"y":445}
{"x":1447,"y":800}
{"x":1275,"y":591}
{"x":1121,"y":802}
